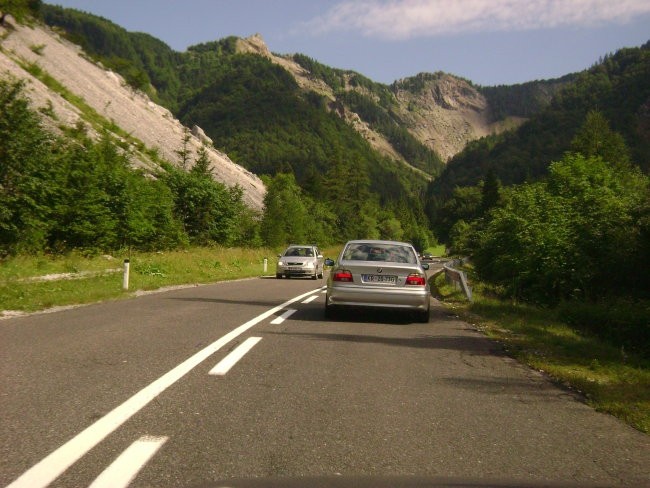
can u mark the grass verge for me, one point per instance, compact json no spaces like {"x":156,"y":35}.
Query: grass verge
{"x":611,"y":379}
{"x":437,"y":250}
{"x":94,"y":279}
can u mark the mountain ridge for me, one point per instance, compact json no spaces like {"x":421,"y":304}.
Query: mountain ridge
{"x":35,"y":53}
{"x":446,"y":114}
{"x":440,"y":119}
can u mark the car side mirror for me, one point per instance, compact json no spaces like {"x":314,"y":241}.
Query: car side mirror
{"x":320,"y":256}
{"x":425,"y":266}
{"x":329,"y":262}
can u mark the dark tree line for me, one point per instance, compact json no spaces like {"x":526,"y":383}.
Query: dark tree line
{"x":580,"y":235}
{"x":617,"y":87}
{"x":59,"y":194}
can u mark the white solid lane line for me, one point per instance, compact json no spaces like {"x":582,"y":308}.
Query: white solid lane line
{"x":127,"y":466}
{"x":53,"y":465}
{"x":284,"y":316}
{"x":310,"y":299}
{"x":231,"y":359}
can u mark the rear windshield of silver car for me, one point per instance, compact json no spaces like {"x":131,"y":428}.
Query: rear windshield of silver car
{"x":380,"y":252}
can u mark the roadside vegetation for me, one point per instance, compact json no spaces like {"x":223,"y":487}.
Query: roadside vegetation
{"x":559,"y":270}
{"x":31,"y":283}
{"x":555,"y":218}
{"x":555,"y":215}
{"x":612,"y":377}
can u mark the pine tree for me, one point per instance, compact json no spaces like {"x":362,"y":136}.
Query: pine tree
{"x":490,"y":192}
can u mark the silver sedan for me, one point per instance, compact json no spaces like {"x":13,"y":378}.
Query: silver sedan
{"x":380,"y":274}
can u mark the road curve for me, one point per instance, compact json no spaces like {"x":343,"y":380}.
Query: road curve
{"x":252,"y":381}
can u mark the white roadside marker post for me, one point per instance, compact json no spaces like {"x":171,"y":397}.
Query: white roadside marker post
{"x":125,"y":277}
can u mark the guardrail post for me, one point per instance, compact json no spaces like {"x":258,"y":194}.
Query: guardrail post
{"x":266,"y":264}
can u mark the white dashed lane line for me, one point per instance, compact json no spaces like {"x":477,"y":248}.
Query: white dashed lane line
{"x":283,"y":317}
{"x":56,"y":463}
{"x":231,"y":359}
{"x":127,"y":466}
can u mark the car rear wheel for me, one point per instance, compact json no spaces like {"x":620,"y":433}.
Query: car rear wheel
{"x":422,"y":316}
{"x":329,"y":309}
{"x":278,"y":276}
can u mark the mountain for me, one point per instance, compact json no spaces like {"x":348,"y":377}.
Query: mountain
{"x":74,"y":93}
{"x":618,"y":87}
{"x":70,"y":90}
{"x":363,"y":150}
{"x":419,"y":122}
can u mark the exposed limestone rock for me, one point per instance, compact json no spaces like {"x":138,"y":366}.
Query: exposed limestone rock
{"x":254,"y":45}
{"x":149,"y":126}
{"x":445,"y":115}
{"x":201,"y":136}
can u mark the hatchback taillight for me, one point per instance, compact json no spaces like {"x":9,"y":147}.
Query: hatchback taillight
{"x":416,"y":279}
{"x":342,"y":275}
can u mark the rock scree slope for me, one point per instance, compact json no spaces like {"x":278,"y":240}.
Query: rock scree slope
{"x":25,"y":50}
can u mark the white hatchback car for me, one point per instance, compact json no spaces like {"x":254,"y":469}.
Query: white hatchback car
{"x":300,"y":260}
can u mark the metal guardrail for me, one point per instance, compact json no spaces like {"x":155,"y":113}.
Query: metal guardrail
{"x":458,"y":278}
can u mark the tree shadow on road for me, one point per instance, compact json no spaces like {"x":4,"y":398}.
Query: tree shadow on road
{"x":475,"y":345}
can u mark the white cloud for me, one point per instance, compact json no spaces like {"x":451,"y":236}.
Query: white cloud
{"x":404,"y":19}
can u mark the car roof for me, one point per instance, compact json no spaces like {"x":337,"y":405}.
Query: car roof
{"x":377,"y":241}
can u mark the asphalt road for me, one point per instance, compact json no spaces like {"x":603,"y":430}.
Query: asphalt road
{"x":91,"y":394}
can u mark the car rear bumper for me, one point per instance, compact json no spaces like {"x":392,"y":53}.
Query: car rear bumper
{"x":379,"y":297}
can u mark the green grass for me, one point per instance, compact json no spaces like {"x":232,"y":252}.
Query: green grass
{"x":437,"y":250}
{"x":148,"y":271}
{"x":611,"y":379}
{"x":95,"y":279}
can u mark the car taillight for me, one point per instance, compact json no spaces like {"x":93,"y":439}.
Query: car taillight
{"x":342,"y":275}
{"x":416,"y":279}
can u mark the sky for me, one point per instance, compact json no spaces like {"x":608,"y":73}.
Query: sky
{"x":489,"y":42}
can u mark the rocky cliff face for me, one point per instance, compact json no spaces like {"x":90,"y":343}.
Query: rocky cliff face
{"x":442,"y":111}
{"x":80,"y":92}
{"x":256,"y":45}
{"x":445,"y":112}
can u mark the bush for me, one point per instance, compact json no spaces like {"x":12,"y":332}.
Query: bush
{"x":577,"y":235}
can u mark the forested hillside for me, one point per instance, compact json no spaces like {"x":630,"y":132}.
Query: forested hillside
{"x":416,"y":118}
{"x":525,"y":99}
{"x":272,"y":123}
{"x":144,"y":61}
{"x":559,"y":210}
{"x":617,"y":87}
{"x":381,"y":197}
{"x":64,"y":193}
{"x":255,"y":112}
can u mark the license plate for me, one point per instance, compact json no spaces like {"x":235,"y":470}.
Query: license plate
{"x":294,"y":268}
{"x":385,"y":279}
